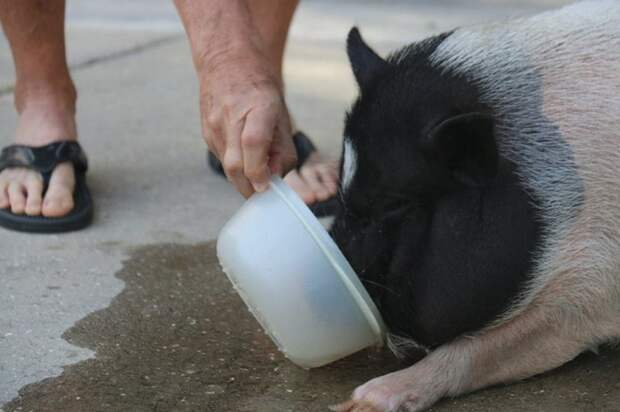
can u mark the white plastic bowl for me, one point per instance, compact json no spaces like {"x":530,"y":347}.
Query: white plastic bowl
{"x":295,"y":280}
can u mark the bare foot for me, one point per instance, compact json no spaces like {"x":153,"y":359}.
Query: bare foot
{"x":21,"y":189}
{"x":317,"y":180}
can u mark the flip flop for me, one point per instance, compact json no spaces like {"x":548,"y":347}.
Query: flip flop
{"x":304,"y":148}
{"x":44,"y":159}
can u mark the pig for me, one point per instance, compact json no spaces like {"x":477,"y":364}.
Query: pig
{"x":480,"y":200}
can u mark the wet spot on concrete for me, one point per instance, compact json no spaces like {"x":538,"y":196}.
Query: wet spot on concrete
{"x":179,"y":338}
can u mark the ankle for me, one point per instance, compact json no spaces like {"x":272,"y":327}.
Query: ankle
{"x":45,"y":122}
{"x":33,"y":94}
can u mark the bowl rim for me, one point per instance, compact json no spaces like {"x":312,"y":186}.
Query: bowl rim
{"x":333,"y":254}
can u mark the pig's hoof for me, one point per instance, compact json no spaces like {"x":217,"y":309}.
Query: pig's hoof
{"x":353,"y":406}
{"x":390,"y":393}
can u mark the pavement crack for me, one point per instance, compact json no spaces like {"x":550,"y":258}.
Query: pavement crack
{"x":131,"y":51}
{"x":115,"y":55}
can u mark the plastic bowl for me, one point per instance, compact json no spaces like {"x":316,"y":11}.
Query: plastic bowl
{"x":295,"y":281}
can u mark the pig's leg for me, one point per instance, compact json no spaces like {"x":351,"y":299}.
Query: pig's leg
{"x":527,"y":345}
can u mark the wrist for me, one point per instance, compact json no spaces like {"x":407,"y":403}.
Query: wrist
{"x":241,"y":62}
{"x":218,"y":30}
{"x":230,"y":51}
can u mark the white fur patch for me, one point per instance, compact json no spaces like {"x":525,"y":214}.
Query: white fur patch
{"x":349,"y":166}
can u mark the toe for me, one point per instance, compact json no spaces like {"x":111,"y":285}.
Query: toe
{"x":58,"y":199}
{"x":58,"y":203}
{"x":17,"y":197}
{"x":34,"y":191}
{"x":4,"y":196}
{"x":329,"y":177}
{"x":320,"y":176}
{"x":294,"y":180}
{"x":313,"y":181}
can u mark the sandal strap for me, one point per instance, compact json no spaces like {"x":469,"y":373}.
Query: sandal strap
{"x":45,"y":158}
{"x":304,"y":148}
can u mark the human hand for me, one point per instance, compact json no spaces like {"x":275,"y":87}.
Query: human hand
{"x":244,"y":118}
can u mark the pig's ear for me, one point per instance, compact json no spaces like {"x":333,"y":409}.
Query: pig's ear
{"x":364,"y":61}
{"x":466,"y":145}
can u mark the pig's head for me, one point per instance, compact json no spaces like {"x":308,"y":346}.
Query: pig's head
{"x":413,"y":138}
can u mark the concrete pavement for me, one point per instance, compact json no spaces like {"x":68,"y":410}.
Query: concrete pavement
{"x":108,"y":305}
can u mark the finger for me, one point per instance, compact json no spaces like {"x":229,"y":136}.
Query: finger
{"x":241,"y":183}
{"x":256,"y":141}
{"x":283,"y":156}
{"x":17,"y":198}
{"x":34,"y":198}
{"x":233,"y":158}
{"x":211,"y":121}
{"x":215,"y":142}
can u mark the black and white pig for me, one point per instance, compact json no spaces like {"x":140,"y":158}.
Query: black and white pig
{"x":480,"y":198}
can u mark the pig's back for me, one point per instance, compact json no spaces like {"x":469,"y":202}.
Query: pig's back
{"x":553,"y":82}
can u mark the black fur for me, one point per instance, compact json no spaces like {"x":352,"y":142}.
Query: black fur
{"x":435,"y":221}
{"x":366,"y":64}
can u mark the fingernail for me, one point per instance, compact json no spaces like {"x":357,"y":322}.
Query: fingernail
{"x":260,"y":186}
